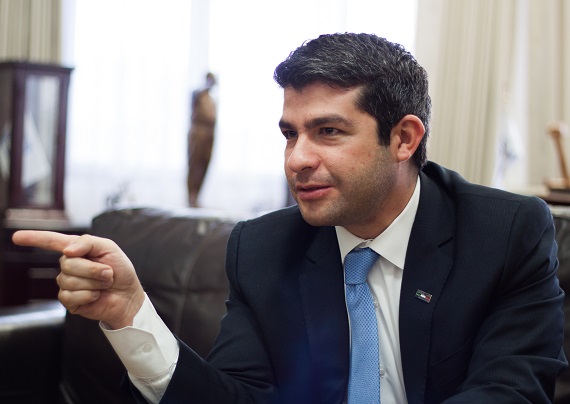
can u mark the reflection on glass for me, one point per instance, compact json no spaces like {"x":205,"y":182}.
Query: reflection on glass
{"x":5,"y":144}
{"x":39,"y":141}
{"x":5,"y":128}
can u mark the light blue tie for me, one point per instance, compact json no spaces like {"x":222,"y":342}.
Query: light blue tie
{"x":364,"y":378}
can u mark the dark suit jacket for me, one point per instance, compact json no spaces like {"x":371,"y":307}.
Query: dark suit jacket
{"x":492,"y":331}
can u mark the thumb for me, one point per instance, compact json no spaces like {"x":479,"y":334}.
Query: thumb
{"x":89,"y":246}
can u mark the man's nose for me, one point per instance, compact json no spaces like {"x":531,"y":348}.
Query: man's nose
{"x":302,"y":155}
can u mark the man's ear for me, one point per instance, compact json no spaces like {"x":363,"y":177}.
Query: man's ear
{"x":406,"y":136}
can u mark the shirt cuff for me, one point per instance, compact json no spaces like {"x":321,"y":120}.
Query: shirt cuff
{"x":148,"y":349}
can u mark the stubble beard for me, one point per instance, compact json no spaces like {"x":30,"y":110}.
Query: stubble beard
{"x":358,"y":205}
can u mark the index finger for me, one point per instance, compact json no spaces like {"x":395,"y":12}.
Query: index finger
{"x":48,"y":240}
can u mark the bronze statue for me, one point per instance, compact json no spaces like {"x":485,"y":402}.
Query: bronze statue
{"x":200,"y":138}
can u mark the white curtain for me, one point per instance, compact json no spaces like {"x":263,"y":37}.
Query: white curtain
{"x":30,"y":30}
{"x":466,"y":46}
{"x":548,"y":83}
{"x":136,"y":64}
{"x":499,"y":75}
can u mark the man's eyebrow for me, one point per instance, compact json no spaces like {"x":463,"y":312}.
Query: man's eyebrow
{"x":320,"y":121}
{"x":284,"y":124}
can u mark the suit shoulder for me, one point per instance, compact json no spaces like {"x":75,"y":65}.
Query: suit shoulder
{"x":290,"y":216}
{"x":284,"y":214}
{"x":463,"y":192}
{"x":286,"y":222}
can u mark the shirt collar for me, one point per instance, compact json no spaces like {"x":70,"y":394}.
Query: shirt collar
{"x":392,"y":243}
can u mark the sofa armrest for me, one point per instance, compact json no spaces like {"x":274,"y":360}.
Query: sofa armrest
{"x":561,"y":218}
{"x":30,"y":348}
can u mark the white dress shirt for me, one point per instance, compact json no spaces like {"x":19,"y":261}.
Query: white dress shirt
{"x":149,"y":351}
{"x":385,"y":281}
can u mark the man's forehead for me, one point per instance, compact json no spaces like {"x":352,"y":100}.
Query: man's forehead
{"x":318,"y":99}
{"x":319,"y":95}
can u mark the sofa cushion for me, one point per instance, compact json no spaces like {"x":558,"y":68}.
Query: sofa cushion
{"x":30,"y":348}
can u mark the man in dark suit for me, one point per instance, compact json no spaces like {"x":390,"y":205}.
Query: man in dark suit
{"x":466,"y":302}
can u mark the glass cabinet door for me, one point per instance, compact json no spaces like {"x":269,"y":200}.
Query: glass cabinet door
{"x":39,"y":149}
{"x":33,"y":114}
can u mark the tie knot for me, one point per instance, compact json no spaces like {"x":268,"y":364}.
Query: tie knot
{"x":357,"y":264}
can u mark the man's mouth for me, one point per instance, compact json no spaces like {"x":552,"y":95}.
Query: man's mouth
{"x":312,"y":191}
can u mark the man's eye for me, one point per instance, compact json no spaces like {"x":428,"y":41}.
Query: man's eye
{"x":329,"y":131}
{"x":289,"y":134}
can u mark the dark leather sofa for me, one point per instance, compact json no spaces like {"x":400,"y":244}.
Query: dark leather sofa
{"x":50,"y":357}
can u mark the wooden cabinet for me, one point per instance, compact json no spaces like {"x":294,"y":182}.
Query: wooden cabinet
{"x":33,"y":117}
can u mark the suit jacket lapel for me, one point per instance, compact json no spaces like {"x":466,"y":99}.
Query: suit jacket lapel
{"x":321,"y":283}
{"x":427,"y":265}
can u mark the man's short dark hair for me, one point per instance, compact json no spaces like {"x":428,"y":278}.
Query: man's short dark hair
{"x":392,"y":82}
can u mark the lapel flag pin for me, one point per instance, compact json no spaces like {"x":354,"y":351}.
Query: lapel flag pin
{"x":426,"y":297}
